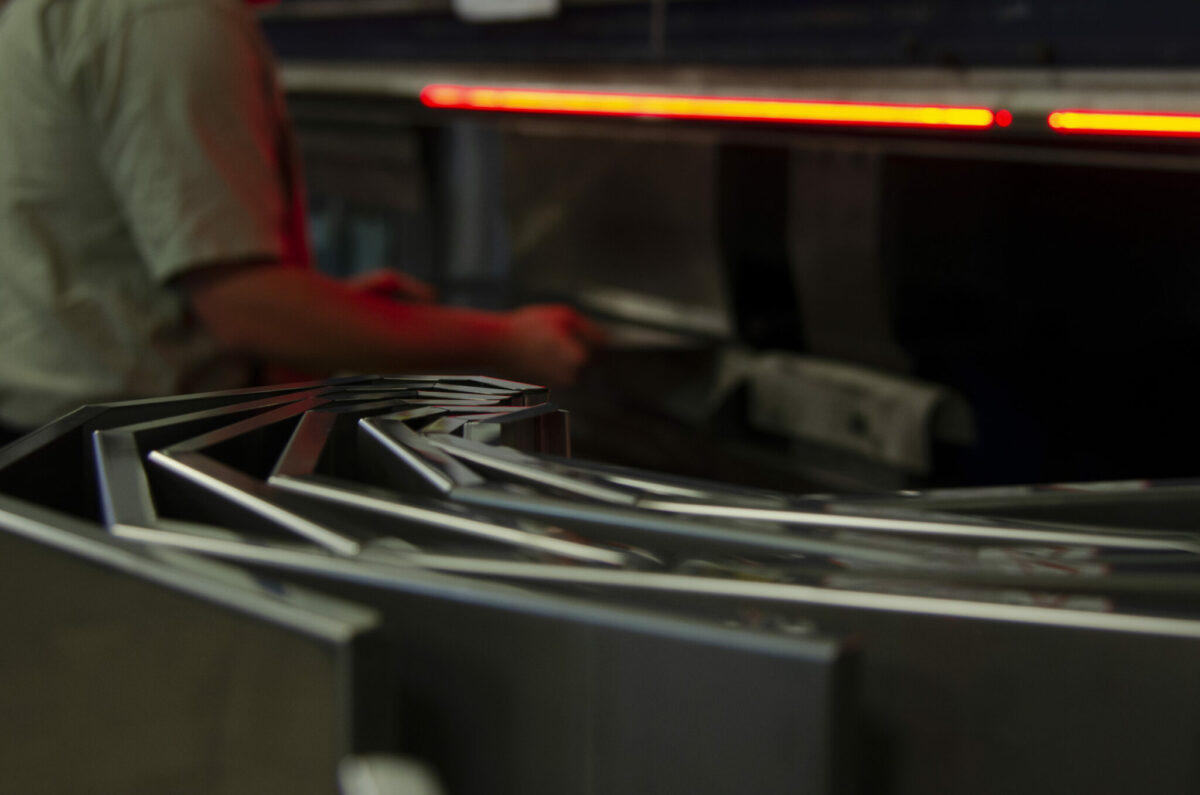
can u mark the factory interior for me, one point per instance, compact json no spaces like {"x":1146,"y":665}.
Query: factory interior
{"x":882,"y":481}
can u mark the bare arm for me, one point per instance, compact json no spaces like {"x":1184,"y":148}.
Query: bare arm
{"x":296,"y":317}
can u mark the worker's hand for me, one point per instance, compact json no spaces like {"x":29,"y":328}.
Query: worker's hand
{"x":547,"y":344}
{"x":390,"y":283}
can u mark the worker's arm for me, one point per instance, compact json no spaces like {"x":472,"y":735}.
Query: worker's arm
{"x":296,"y":317}
{"x":189,"y":132}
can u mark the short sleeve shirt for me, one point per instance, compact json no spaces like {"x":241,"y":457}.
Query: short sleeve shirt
{"x":139,"y":139}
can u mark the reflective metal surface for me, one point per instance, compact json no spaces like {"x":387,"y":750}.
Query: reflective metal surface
{"x":498,"y":688}
{"x":522,"y":622}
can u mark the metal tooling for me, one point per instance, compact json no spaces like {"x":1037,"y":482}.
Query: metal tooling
{"x":281,"y":580}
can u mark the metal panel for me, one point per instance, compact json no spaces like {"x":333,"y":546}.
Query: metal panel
{"x":556,"y":626}
{"x":137,"y":672}
{"x":501,"y":689}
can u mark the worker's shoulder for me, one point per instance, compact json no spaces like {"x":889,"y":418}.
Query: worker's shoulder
{"x":98,"y":17}
{"x":121,"y":8}
{"x":54,"y":39}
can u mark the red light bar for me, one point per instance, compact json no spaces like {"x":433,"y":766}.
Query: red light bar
{"x":1111,"y":122}
{"x":591,"y":103}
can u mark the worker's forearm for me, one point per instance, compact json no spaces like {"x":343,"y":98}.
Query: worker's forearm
{"x":299,"y":318}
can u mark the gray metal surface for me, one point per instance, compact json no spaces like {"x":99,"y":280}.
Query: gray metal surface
{"x":523,"y":622}
{"x":1138,"y":505}
{"x":132,"y":670}
{"x":501,"y":689}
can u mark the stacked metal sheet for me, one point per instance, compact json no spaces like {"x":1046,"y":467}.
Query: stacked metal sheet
{"x":235,"y":592}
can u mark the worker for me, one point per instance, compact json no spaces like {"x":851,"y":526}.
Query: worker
{"x":152,"y":230}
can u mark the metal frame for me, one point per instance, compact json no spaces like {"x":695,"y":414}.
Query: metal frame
{"x":597,"y":628}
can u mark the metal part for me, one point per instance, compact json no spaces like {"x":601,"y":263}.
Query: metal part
{"x":143,"y":662}
{"x":528,"y":623}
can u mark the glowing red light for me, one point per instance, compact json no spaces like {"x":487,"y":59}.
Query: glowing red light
{"x":792,"y":111}
{"x":1003,"y":118}
{"x":1113,"y":122}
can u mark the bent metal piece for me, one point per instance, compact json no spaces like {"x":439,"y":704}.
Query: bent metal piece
{"x":548,"y":625}
{"x":582,"y":482}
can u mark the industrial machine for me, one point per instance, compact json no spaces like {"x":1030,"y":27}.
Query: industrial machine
{"x":251,"y":591}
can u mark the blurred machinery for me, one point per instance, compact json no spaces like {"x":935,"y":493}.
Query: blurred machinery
{"x":853,"y":247}
{"x":954,"y":240}
{"x":400,"y":586}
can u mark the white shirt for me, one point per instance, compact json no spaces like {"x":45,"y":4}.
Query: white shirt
{"x":139,"y":139}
